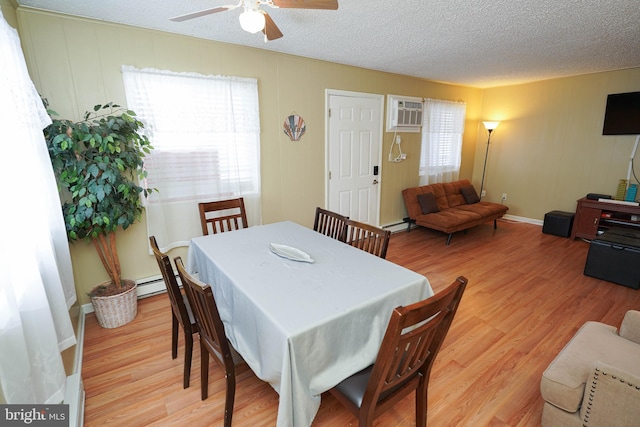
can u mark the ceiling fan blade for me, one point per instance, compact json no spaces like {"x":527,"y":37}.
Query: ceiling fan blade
{"x":307,"y":4}
{"x":270,"y":30}
{"x":202,"y":13}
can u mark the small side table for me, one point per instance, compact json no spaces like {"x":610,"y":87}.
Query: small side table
{"x":558,"y":223}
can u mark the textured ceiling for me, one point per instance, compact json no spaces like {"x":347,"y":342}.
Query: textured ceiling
{"x":476,"y":43}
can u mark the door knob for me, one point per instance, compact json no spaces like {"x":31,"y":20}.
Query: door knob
{"x":375,"y":181}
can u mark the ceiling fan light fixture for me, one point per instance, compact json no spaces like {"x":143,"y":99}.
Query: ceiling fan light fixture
{"x":252,"y":21}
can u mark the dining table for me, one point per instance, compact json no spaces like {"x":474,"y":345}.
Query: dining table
{"x":304,"y":310}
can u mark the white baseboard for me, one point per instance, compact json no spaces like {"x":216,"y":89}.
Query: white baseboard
{"x":402,"y":226}
{"x":77,"y":360}
{"x":74,"y":391}
{"x":74,"y":397}
{"x":523,"y":219}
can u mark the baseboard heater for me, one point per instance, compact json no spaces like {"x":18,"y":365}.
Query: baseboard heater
{"x":394,"y":228}
{"x":151,"y":286}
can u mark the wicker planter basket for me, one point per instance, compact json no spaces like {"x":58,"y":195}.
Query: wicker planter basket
{"x":117,"y":310}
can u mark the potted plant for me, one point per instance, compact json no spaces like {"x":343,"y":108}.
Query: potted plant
{"x":98,"y":163}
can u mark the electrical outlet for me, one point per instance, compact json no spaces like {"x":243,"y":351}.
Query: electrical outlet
{"x":504,"y":196}
{"x":403,"y":156}
{"x":483,"y":193}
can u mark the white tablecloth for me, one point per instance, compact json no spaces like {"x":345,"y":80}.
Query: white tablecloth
{"x":302,"y":327}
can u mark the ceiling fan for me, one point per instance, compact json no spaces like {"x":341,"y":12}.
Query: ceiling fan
{"x":253,"y":19}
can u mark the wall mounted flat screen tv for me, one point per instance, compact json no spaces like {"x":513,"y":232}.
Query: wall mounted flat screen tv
{"x":622,"y":116}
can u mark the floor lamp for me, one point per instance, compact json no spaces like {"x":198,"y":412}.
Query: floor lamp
{"x":490,"y":126}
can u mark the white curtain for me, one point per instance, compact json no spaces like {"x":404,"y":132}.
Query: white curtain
{"x":442,"y":130}
{"x":36,"y":279}
{"x":205,"y":131}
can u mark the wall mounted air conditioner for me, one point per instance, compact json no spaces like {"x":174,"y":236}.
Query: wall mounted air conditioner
{"x":404,"y":114}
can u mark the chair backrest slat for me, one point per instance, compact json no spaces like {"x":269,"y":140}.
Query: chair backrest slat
{"x":367,"y":237}
{"x":223,"y":215}
{"x":330,"y":224}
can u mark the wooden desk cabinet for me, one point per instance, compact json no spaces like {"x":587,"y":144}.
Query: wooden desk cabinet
{"x":592,"y":216}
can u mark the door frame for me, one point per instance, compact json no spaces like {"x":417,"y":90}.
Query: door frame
{"x":347,"y":93}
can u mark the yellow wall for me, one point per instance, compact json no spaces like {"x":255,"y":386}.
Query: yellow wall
{"x":549,"y":149}
{"x":9,"y":12}
{"x":75,"y":63}
{"x":547,"y":152}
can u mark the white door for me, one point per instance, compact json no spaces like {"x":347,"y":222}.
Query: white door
{"x":354,"y":153}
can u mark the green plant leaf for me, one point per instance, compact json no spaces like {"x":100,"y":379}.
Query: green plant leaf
{"x":97,"y":166}
{"x":93,"y":170}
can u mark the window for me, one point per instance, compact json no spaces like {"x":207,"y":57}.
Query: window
{"x":205,"y":131}
{"x":442,"y":131}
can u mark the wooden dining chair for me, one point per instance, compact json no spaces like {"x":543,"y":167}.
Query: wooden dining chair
{"x":330,"y":224}
{"x":413,"y":338}
{"x":180,"y":311}
{"x":223,"y":215}
{"x":367,"y":237}
{"x":213,"y":339}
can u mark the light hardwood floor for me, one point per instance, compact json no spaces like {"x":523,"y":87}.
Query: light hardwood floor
{"x":526,"y":297}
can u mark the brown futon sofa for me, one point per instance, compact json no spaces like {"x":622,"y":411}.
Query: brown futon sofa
{"x":449,"y":207}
